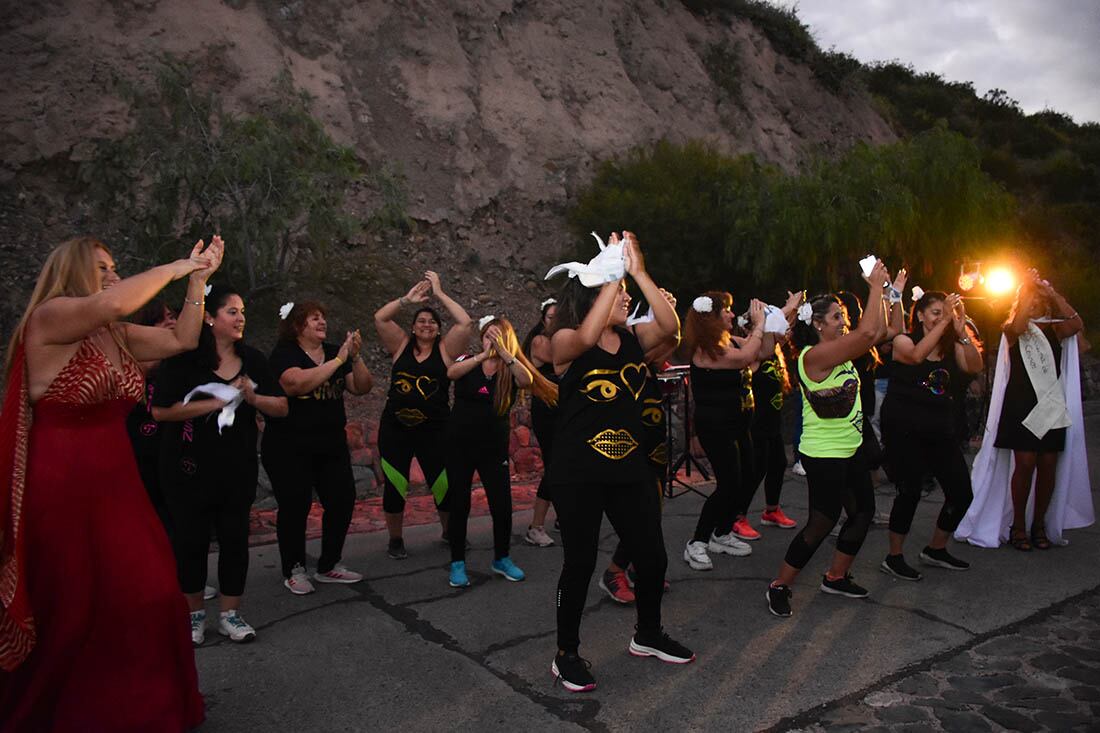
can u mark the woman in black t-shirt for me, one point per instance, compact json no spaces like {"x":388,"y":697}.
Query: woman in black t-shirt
{"x":478,"y":434}
{"x":208,"y":463}
{"x":308,"y":450}
{"x":919,"y":426}
{"x":414,"y":419}
{"x":598,"y":466}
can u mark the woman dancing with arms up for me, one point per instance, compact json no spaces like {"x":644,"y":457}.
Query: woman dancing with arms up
{"x":598,"y":465}
{"x":91,"y":626}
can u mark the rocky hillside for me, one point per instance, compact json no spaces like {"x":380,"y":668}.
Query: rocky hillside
{"x":494,"y":110}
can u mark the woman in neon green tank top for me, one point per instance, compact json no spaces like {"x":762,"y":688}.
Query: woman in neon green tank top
{"x":832,"y":420}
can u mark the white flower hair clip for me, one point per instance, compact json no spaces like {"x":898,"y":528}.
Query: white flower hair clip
{"x":702,"y":304}
{"x":484,"y":321}
{"x":284,"y":311}
{"x":918,"y":293}
{"x":547,"y":302}
{"x":742,"y":320}
{"x":806,"y":313}
{"x":207,"y":289}
{"x":608,"y":266}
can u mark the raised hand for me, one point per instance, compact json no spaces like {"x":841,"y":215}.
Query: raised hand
{"x":203,"y":261}
{"x":669,"y":297}
{"x":356,"y":343}
{"x":632,"y":252}
{"x":418,"y":293}
{"x":794,"y":299}
{"x":958,"y":315}
{"x":900,"y":280}
{"x":756,"y":313}
{"x":879,"y":276}
{"x":433,"y":281}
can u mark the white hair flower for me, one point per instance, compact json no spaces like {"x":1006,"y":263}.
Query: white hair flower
{"x":284,"y":311}
{"x":742,"y":321}
{"x":918,"y":293}
{"x":547,"y":302}
{"x":485,"y":321}
{"x":207,"y":289}
{"x":806,"y":313}
{"x":703,"y":304}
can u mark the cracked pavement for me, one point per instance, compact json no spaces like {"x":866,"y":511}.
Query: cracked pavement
{"x":1014,"y":643}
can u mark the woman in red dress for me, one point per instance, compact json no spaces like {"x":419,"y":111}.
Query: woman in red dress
{"x":90,"y":631}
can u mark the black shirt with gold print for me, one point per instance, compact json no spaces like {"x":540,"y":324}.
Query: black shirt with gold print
{"x":419,"y":390}
{"x":318,"y":414}
{"x":600,"y":436}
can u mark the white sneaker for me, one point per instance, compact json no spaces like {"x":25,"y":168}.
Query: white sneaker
{"x":198,"y":627}
{"x":728,"y":544}
{"x":209,"y":593}
{"x":232,"y":625}
{"x":298,"y":582}
{"x":797,"y":469}
{"x":537,"y":536}
{"x":695,"y":555}
{"x":338,"y":574}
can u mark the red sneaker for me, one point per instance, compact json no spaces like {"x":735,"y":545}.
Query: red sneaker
{"x":616,"y":586}
{"x":742,"y":530}
{"x":777,"y":519}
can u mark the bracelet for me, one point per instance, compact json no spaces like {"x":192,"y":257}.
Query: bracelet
{"x":357,"y":357}
{"x":1076,"y":314}
{"x":199,"y":303}
{"x":402,"y":300}
{"x":895,"y":295}
{"x":338,"y":360}
{"x":965,"y":340}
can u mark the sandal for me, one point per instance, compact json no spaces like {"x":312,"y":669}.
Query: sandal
{"x":1039,"y":537}
{"x":1017,"y":537}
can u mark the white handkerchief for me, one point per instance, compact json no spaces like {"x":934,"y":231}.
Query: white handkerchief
{"x":224,"y":392}
{"x":774,"y":320}
{"x":608,"y":266}
{"x":635,"y":319}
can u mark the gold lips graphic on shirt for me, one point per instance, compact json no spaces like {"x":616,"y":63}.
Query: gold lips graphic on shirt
{"x":613,"y":444}
{"x":410,"y":417}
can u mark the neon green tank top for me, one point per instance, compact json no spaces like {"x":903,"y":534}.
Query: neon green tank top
{"x":832,"y":414}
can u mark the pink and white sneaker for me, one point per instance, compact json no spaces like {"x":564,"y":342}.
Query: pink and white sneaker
{"x":298,"y":582}
{"x":338,"y":574}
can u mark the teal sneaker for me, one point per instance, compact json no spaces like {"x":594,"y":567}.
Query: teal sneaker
{"x":504,"y":566}
{"x":458,"y":575}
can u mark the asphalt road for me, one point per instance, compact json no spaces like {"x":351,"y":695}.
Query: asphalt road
{"x":404,"y":650}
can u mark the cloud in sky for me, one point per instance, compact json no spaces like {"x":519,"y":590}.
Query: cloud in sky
{"x":1045,"y":54}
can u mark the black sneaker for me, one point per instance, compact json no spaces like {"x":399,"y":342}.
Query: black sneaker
{"x":572,"y":671}
{"x":895,"y":565}
{"x":396,"y":549}
{"x":941,"y":558}
{"x":843,"y":587}
{"x":779,"y":600}
{"x":661,"y":645}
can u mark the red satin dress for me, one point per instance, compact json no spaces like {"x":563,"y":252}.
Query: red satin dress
{"x":112,"y":648}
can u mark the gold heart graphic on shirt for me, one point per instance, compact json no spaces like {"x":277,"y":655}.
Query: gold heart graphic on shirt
{"x":427,"y":386}
{"x":634,"y":376}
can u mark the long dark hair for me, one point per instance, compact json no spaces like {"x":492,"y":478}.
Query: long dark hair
{"x":151,"y":313}
{"x":206,"y":354}
{"x":574,"y":302}
{"x":540,"y":327}
{"x":854,"y":306}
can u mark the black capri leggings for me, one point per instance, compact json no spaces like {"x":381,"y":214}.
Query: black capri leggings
{"x":915,"y":455}
{"x":634,"y":510}
{"x":397,"y":446}
{"x":223,"y":501}
{"x":542,"y":422}
{"x":769,"y":464}
{"x":834,"y":484}
{"x":487,"y":453}
{"x":730,"y":454}
{"x":297,"y":470}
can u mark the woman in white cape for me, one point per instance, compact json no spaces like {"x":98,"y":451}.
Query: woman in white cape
{"x":1034,"y":435}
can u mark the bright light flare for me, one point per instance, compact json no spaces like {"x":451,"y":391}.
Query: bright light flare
{"x":1000,"y":281}
{"x":966,"y":282}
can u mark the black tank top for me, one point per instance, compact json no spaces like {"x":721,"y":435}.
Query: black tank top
{"x":722,"y":396}
{"x":921,"y":395}
{"x":419,"y":390}
{"x":599,"y":433}
{"x":653,"y":423}
{"x":767,"y":390}
{"x":474,"y":409}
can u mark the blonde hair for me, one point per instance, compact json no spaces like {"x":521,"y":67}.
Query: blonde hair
{"x":541,"y":387}
{"x":69,"y":271}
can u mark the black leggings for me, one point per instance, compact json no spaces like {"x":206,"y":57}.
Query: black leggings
{"x":834,"y":484}
{"x":769,"y":463}
{"x":486,"y":452}
{"x":621,"y":555}
{"x":542,"y":422}
{"x":397,"y":446}
{"x":196,"y":503}
{"x":730,"y":454}
{"x":914,"y":456}
{"x":635,"y":513}
{"x":296,"y":470}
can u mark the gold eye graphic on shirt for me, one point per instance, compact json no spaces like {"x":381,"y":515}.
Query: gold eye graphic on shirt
{"x":403,"y":386}
{"x":652,"y":414}
{"x":601,"y":390}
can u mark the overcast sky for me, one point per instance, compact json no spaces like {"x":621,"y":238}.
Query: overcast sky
{"x":1044,"y":53}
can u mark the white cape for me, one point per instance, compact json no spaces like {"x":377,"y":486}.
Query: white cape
{"x":986,"y":523}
